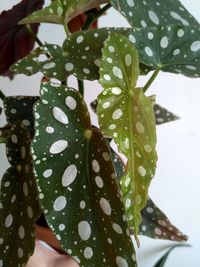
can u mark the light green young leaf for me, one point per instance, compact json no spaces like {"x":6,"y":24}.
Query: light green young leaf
{"x":79,"y":192}
{"x":19,"y":206}
{"x":62,"y":11}
{"x":163,"y":115}
{"x":127,"y":115}
{"x":155,"y":223}
{"x":154,"y":13}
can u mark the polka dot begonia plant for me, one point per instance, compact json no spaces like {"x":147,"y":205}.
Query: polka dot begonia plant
{"x":65,"y":168}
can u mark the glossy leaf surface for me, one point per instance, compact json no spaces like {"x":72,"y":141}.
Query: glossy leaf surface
{"x":19,"y":206}
{"x":155,"y":224}
{"x":153,"y":13}
{"x":163,"y":115}
{"x":62,"y":11}
{"x":173,"y":49}
{"x":127,"y":115}
{"x":20,"y":108}
{"x":78,"y":187}
{"x":161,"y":262}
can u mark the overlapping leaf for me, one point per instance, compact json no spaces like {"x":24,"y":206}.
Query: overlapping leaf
{"x":78,"y":187}
{"x":127,"y":115}
{"x":62,"y":11}
{"x":162,"y":115}
{"x":80,"y":56}
{"x":19,"y":206}
{"x":173,"y":49}
{"x":155,"y":224}
{"x":20,"y":108}
{"x":153,"y":13}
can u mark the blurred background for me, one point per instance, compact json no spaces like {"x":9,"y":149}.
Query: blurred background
{"x":176,"y":186}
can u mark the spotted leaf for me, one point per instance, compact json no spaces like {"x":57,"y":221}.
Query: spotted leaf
{"x":127,"y":115}
{"x":163,"y":115}
{"x":155,"y":224}
{"x":19,"y":206}
{"x":78,"y":187}
{"x":20,"y":108}
{"x":153,"y":13}
{"x":173,"y":49}
{"x":62,"y":11}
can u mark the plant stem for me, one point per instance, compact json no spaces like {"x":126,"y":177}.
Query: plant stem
{"x":92,"y":17}
{"x":150,"y":81}
{"x":32,"y":33}
{"x":81,"y":87}
{"x":2,"y":96}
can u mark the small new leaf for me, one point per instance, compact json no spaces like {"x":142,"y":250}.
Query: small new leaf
{"x":127,"y":115}
{"x":19,"y":206}
{"x":62,"y":11}
{"x":154,"y":13}
{"x":71,"y":156}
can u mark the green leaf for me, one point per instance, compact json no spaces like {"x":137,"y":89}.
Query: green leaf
{"x":161,"y":262}
{"x":155,"y":224}
{"x":18,"y":203}
{"x":173,"y":49}
{"x":78,"y":187}
{"x":4,"y":134}
{"x":127,"y":115}
{"x":153,"y":13}
{"x":49,"y":59}
{"x":163,"y":115}
{"x":62,"y":11}
{"x":20,"y":108}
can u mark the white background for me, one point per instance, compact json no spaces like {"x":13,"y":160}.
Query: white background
{"x":176,"y":185}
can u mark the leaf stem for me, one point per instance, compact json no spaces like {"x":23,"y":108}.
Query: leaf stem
{"x":81,"y":87}
{"x":150,"y":81}
{"x":92,"y":17}
{"x":2,"y":96}
{"x":34,"y":35}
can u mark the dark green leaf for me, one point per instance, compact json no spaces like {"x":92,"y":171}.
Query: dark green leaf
{"x":173,"y":49}
{"x":79,"y":191}
{"x":161,"y":262}
{"x":155,"y":224}
{"x":127,"y":115}
{"x":153,"y":13}
{"x":4,"y":134}
{"x":163,"y":115}
{"x":62,"y":11}
{"x":20,"y":108}
{"x":18,"y":203}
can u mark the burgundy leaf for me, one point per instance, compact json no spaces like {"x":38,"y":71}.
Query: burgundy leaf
{"x":15,"y":40}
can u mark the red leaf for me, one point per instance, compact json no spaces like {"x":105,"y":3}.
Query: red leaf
{"x":15,"y":41}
